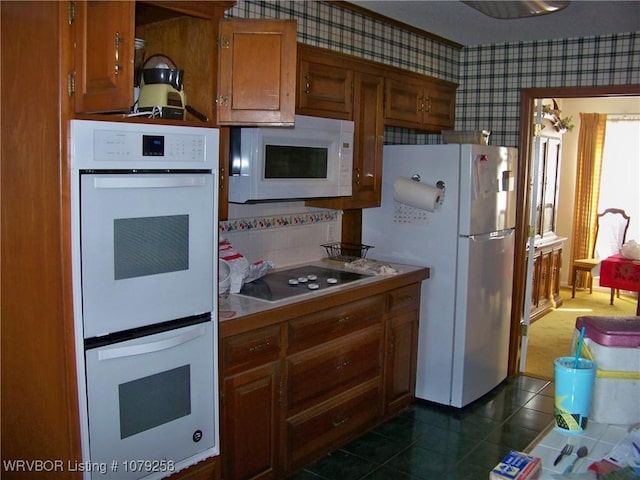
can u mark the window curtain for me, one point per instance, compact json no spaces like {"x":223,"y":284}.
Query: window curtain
{"x":588,"y":171}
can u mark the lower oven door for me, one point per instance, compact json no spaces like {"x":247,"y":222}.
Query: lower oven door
{"x":151,"y":402}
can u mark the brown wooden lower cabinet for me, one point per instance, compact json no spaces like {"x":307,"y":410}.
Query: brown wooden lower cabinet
{"x":329,"y":424}
{"x":251,"y":423}
{"x":545,"y":285}
{"x":299,"y":388}
{"x":208,"y":469}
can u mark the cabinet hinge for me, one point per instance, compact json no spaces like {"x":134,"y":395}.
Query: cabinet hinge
{"x":532,"y":231}
{"x":71,"y":83}
{"x":71,"y":12}
{"x":524,"y":330}
{"x":280,"y":393}
{"x":223,"y":42}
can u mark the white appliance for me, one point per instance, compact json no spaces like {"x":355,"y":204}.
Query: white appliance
{"x":144,"y":227}
{"x":467,"y":241}
{"x":151,"y":402}
{"x":311,"y":160}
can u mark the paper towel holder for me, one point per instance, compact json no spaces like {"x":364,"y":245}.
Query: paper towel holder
{"x":439,"y":184}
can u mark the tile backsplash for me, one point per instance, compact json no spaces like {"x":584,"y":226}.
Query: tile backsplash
{"x":285,"y":233}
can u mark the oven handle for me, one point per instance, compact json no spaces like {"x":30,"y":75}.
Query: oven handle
{"x":135,"y":181}
{"x":151,"y":347}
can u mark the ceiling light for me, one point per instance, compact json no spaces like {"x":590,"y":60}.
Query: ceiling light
{"x":514,"y":9}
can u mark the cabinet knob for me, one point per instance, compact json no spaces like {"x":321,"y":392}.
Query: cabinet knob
{"x":307,"y":85}
{"x":344,"y":364}
{"x":342,"y":421}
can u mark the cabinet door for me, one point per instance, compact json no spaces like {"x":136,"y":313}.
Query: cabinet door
{"x":545,"y":278}
{"x":250,"y":429}
{"x":403,"y":101}
{"x":368,"y":141}
{"x":257,"y":72}
{"x":556,"y":264}
{"x":325,"y":90}
{"x":535,"y":283}
{"x":400,"y":370}
{"x":439,"y":106}
{"x":104,"y":41}
{"x":551,"y":185}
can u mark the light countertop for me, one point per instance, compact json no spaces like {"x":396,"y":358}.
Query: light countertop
{"x":599,"y":438}
{"x":236,"y":305}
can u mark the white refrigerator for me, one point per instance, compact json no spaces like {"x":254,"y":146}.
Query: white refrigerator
{"x":467,"y":241}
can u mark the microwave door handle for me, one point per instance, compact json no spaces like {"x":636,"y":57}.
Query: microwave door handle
{"x":149,"y":182}
{"x":151,"y":347}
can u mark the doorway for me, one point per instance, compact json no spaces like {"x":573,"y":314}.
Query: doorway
{"x":527,"y":116}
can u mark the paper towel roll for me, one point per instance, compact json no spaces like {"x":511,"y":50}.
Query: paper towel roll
{"x":416,"y":194}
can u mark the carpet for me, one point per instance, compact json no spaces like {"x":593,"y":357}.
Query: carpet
{"x":551,"y":335}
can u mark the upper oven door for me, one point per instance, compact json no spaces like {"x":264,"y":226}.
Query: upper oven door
{"x":146,"y":249}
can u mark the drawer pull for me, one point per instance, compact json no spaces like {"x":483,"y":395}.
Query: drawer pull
{"x":337,"y":423}
{"x":405,"y":298}
{"x":260,"y":346}
{"x":344,"y":364}
{"x":344,"y":319}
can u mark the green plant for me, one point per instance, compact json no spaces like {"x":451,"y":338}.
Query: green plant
{"x":555,"y":116}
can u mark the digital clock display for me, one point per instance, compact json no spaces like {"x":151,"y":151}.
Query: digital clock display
{"x":152,"y":146}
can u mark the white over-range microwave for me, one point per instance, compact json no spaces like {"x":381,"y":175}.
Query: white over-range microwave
{"x":314,"y":159}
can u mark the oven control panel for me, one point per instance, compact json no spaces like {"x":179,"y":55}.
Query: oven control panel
{"x":118,"y":145}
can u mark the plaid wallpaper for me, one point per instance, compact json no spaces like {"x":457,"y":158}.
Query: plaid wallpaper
{"x":490,"y":76}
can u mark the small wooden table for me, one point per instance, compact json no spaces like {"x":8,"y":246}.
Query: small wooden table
{"x":622,"y":273}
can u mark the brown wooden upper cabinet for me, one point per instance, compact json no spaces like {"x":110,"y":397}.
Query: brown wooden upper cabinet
{"x":257,"y":65}
{"x":104,"y":46}
{"x":418,"y":103}
{"x":324,"y":89}
{"x":254,"y":60}
{"x":335,"y":85}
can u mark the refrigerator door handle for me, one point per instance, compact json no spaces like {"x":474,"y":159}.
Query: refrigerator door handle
{"x":499,"y":235}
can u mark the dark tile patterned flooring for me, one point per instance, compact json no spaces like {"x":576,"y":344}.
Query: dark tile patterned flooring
{"x":433,"y":442}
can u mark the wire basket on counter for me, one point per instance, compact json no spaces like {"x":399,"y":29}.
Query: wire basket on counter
{"x":346,"y":252}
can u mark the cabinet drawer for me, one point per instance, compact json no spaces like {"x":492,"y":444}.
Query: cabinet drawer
{"x":321,"y":373}
{"x":331,"y":323}
{"x":251,"y":349}
{"x":404,"y":298}
{"x":319,"y":430}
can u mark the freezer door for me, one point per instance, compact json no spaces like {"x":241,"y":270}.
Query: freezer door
{"x":483,"y":314}
{"x":487,"y":189}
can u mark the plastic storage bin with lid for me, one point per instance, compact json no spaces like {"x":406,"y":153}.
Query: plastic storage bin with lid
{"x":614,"y":344}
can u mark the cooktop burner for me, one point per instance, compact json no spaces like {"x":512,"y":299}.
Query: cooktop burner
{"x":297,"y":281}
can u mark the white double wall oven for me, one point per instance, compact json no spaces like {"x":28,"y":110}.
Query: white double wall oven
{"x":144,"y":232}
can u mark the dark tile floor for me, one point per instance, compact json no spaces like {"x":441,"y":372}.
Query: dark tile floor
{"x":433,"y":442}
